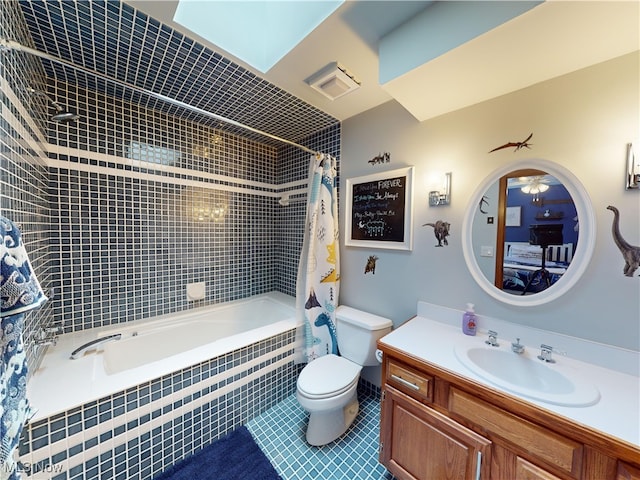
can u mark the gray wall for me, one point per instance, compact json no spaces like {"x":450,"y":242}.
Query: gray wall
{"x":582,"y":121}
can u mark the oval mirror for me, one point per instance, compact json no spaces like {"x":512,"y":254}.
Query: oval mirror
{"x":529,"y":232}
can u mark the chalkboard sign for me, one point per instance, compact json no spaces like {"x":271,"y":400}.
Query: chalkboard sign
{"x":379,"y":210}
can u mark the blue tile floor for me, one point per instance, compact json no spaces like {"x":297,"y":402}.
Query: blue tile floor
{"x":280,"y":433}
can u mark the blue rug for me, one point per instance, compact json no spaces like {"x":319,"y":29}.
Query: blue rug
{"x":235,"y":456}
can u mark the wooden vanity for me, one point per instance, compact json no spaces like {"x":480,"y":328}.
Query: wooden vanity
{"x":437,"y":423}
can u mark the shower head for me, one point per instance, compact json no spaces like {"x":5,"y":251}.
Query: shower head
{"x":64,"y":116}
{"x":61,"y":115}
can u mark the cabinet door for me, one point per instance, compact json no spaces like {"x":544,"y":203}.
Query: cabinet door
{"x":420,"y":443}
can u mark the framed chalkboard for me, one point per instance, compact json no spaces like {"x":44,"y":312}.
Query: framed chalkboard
{"x":379,"y":210}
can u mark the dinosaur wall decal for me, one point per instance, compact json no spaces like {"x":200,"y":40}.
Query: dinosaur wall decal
{"x":371,"y":265}
{"x":441,"y":231}
{"x":518,"y":145}
{"x":630,"y":253}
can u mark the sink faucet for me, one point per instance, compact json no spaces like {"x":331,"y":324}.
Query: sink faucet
{"x":94,"y":343}
{"x":545,"y":354}
{"x":493,"y":339}
{"x":517,"y":347}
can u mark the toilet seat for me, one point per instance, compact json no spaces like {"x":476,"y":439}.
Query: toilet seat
{"x":328,"y":376}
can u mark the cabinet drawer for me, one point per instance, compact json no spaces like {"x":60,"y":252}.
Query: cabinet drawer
{"x":529,"y":471}
{"x":413,"y":382}
{"x":538,"y":442}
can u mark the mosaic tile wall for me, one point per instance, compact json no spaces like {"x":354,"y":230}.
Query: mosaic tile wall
{"x":136,"y":433}
{"x":24,"y":195}
{"x":127,"y":221}
{"x":117,"y":259}
{"x":112,"y":207}
{"x":126,"y":44}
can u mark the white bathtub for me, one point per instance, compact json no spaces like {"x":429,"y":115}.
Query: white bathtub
{"x":151,"y":348}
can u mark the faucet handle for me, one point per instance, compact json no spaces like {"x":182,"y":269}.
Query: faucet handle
{"x":53,"y":329}
{"x":493,"y":339}
{"x":545,"y":353}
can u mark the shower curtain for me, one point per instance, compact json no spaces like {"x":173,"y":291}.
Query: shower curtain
{"x":19,"y":293}
{"x":319,"y":266}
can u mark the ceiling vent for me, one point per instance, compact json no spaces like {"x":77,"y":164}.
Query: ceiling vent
{"x":333,"y":81}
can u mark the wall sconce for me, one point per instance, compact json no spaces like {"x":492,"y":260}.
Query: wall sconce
{"x":633,"y":168}
{"x":441,"y":196}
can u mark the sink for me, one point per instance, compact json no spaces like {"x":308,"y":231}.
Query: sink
{"x":524,"y":374}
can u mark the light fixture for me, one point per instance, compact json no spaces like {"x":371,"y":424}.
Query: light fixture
{"x":633,"y":167}
{"x":333,"y":81}
{"x":535,"y":186}
{"x":441,"y":196}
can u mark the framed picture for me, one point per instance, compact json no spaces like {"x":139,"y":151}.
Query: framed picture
{"x":379,"y":210}
{"x":512,"y":217}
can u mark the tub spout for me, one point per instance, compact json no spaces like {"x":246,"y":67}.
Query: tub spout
{"x":94,"y":343}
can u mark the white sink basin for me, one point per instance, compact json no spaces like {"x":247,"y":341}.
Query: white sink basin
{"x":524,"y":374}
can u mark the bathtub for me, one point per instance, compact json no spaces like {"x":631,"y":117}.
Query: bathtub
{"x":151,"y":348}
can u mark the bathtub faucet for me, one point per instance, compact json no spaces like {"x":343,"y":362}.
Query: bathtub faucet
{"x":94,"y":343}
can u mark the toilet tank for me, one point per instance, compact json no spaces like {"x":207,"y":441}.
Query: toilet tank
{"x":358,"y":332}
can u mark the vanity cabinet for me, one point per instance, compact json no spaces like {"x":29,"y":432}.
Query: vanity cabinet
{"x":436,"y":424}
{"x":421,"y":443}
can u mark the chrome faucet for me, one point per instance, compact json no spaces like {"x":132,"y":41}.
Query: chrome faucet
{"x":47,"y":336}
{"x":47,"y":340}
{"x":53,"y":330}
{"x":545,"y":354}
{"x":493,"y":339}
{"x":517,"y":347}
{"x":94,"y":343}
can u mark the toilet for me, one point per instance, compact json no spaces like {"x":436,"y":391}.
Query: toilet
{"x":327,"y":386}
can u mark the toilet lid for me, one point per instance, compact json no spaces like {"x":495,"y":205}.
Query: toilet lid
{"x":327,"y":375}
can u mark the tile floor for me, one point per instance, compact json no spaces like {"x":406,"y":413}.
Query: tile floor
{"x":280,"y":434}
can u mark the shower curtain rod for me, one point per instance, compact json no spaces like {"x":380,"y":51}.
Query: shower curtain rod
{"x":13,"y":45}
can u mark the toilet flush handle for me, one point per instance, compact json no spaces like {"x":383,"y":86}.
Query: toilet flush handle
{"x":379,"y":355}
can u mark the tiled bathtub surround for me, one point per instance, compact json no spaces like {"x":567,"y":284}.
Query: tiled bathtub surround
{"x":81,"y":253}
{"x":128,"y":229}
{"x":110,"y":238}
{"x":138,"y":432}
{"x":24,"y":195}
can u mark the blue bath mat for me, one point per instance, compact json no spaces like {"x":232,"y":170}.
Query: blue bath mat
{"x":235,"y":456}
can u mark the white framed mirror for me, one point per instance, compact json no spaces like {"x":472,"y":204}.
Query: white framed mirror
{"x":479,"y":246}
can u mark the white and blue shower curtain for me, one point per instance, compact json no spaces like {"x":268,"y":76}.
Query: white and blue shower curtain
{"x":319,"y":267}
{"x":19,"y":293}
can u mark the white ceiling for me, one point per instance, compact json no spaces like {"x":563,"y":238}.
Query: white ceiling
{"x":551,"y":39}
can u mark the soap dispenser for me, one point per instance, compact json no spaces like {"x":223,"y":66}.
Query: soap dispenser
{"x":469,"y":320}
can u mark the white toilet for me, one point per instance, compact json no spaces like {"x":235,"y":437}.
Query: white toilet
{"x":327,"y":386}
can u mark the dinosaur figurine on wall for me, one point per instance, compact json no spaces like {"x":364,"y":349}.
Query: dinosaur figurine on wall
{"x":441,"y":231}
{"x":518,"y":145}
{"x":371,"y":265}
{"x":630,"y":253}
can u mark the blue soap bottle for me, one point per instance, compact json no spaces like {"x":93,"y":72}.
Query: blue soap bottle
{"x":469,"y":320}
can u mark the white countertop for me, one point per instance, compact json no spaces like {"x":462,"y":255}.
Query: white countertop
{"x":617,"y":413}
